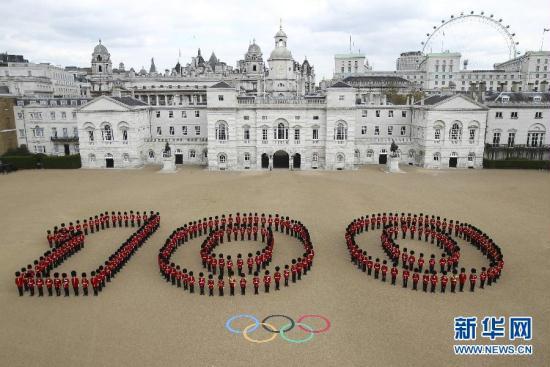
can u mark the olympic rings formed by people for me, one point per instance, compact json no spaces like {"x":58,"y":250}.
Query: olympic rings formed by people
{"x":303,"y":317}
{"x":282,"y":331}
{"x":241,"y":316}
{"x":291,"y":324}
{"x":245,"y":333}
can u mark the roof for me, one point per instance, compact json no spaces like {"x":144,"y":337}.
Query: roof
{"x":221,"y":84}
{"x":375,"y":79}
{"x":4,"y":89}
{"x":129,"y":101}
{"x":517,"y":97}
{"x":340,"y":84}
{"x":430,"y":101}
{"x":348,"y":56}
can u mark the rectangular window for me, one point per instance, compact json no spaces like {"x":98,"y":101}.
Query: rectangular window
{"x":364,"y":113}
{"x":377,"y":130}
{"x":52,"y":115}
{"x":390,"y":130}
{"x":159,"y":130}
{"x":63,"y":115}
{"x":513,"y":115}
{"x":197,"y":113}
{"x":184,"y":114}
{"x":246,"y":134}
{"x":246,"y":117}
{"x":377,"y":113}
{"x":296,"y":134}
{"x":192,"y":154}
{"x":171,"y":130}
{"x":264,"y":134}
{"x":91,"y":135}
{"x":535,"y":139}
{"x":296,"y":117}
{"x":158,"y":114}
{"x":74,"y":115}
{"x":65,"y":132}
{"x":472,"y":135}
{"x":498,"y":114}
{"x":390,"y":113}
{"x":22,"y":133}
{"x":403,"y":130}
{"x":403,"y":113}
{"x":264,"y":118}
{"x":316,"y":117}
{"x":511,"y":139}
{"x":538,"y":115}
{"x":220,"y":97}
{"x":170,"y":114}
{"x":496,"y":138}
{"x":341,"y":98}
{"x":315,"y":134}
{"x":437,"y":134}
{"x":197,"y":130}
{"x":184,"y":130}
{"x":363,"y":130}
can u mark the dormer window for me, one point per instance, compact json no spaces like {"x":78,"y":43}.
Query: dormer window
{"x":537,"y":99}
{"x":505,"y":99}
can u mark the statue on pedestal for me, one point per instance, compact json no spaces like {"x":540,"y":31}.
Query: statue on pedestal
{"x":166,"y":153}
{"x":393,"y":148}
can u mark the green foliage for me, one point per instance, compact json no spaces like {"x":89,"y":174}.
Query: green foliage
{"x":19,"y":151}
{"x":516,"y":164}
{"x":30,"y":161}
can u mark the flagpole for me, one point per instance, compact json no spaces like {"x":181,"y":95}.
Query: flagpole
{"x":542,"y":40}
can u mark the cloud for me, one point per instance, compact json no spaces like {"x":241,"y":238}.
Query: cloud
{"x":64,"y":32}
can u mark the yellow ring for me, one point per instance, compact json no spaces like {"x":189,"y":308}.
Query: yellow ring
{"x":245,"y":333}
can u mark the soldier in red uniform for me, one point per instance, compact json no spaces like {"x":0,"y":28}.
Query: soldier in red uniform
{"x":462,"y":279}
{"x":384,"y":270}
{"x":293,"y":270}
{"x":286,"y":275}
{"x":65,"y":284}
{"x":256,"y":282}
{"x":30,"y":285}
{"x":482,"y":277}
{"x":258,"y":261}
{"x":221,"y":284}
{"x":267,"y":281}
{"x":433,"y":280}
{"x":416,"y":277}
{"x":210,"y":285}
{"x":473,"y":279}
{"x":49,"y":286}
{"x":250,"y":263}
{"x":370,"y":264}
{"x":242,"y":283}
{"x":232,"y":281}
{"x":19,"y":282}
{"x":277,"y":277}
{"x":394,"y":272}
{"x":442,"y":263}
{"x":202,"y":283}
{"x":425,"y":280}
{"x":49,"y":236}
{"x":405,"y":275}
{"x":74,"y":282}
{"x":85,"y":284}
{"x":240,"y":263}
{"x":454,"y":280}
{"x":221,"y":264}
{"x":191,"y":281}
{"x":444,"y":281}
{"x":376,"y":268}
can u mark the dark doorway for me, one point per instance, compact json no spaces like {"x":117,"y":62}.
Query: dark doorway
{"x":67,"y":150}
{"x":453,"y":161}
{"x":297,"y":160}
{"x":109,"y":162}
{"x":265,"y":161}
{"x":382,"y":159}
{"x":179,"y":158}
{"x":280,"y":159}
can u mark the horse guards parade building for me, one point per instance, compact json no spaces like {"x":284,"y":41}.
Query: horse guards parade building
{"x":262,"y":115}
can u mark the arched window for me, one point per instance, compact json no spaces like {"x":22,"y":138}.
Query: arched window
{"x":192,"y":153}
{"x":151,"y":154}
{"x":411,"y":153}
{"x":107,"y":133}
{"x":222,"y":158}
{"x":99,"y":58}
{"x":91,"y":158}
{"x":282,"y":132}
{"x":535,"y":135}
{"x":471,"y":157}
{"x":221,"y":131}
{"x":370,"y":153}
{"x":126,"y":157}
{"x":315,"y":157}
{"x":341,"y":132}
{"x":436,"y":157}
{"x":90,"y":135}
{"x":100,"y":68}
{"x":125,"y":135}
{"x":456,"y":132}
{"x":357,"y":153}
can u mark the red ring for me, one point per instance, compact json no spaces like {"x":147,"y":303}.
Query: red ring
{"x":303,"y":317}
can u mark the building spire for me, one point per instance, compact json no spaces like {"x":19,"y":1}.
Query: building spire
{"x":281,"y":24}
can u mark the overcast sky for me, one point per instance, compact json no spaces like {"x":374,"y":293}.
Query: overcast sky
{"x":65,"y":32}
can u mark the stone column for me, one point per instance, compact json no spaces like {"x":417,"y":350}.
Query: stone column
{"x":157,"y":99}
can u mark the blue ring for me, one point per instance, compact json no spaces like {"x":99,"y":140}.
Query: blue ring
{"x":247,"y":316}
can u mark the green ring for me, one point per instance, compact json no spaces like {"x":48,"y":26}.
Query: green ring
{"x":297,"y":341}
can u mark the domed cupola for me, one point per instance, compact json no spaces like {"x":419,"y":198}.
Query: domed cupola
{"x":280,"y":52}
{"x":101,"y":60}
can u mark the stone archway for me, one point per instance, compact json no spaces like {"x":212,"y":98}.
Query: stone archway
{"x":297,"y":160}
{"x":280,"y":159}
{"x":265,"y":161}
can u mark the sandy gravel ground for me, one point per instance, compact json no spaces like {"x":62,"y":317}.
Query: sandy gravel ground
{"x":139,"y":320}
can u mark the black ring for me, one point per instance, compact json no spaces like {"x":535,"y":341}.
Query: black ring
{"x":292,"y":323}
